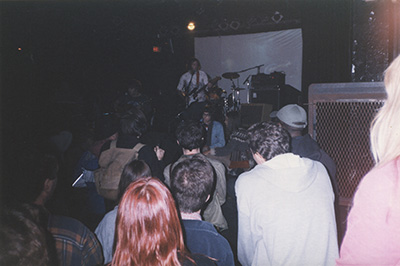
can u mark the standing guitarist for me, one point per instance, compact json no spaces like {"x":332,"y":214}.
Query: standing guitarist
{"x":192,"y":86}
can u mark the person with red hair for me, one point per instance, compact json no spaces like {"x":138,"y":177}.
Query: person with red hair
{"x":148,"y":230}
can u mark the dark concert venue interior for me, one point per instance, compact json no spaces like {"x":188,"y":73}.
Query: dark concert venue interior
{"x":290,"y":102}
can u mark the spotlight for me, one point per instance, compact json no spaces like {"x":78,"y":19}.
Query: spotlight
{"x":191,"y":26}
{"x":19,"y":49}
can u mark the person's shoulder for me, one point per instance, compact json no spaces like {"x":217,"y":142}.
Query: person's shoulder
{"x":65,"y":221}
{"x":216,"y":123}
{"x":309,"y":162}
{"x":144,"y":148}
{"x":109,"y":218}
{"x":200,"y":226}
{"x":382,"y":176}
{"x":186,"y":74}
{"x":202,"y":72}
{"x":307,"y":138}
{"x":214,"y":162}
{"x":219,"y":166}
{"x":67,"y":228}
{"x":306,"y":146}
{"x":207,"y":231}
{"x":251,"y":178}
{"x":200,"y":260}
{"x":180,"y":159}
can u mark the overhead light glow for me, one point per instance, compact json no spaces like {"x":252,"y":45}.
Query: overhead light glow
{"x":191,"y":26}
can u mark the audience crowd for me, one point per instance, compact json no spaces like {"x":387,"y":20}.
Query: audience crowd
{"x":207,"y":193}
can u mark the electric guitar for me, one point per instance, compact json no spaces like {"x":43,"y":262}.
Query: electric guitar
{"x":196,"y":91}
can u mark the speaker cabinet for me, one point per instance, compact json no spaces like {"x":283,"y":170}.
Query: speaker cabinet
{"x":271,"y":96}
{"x":340,"y":117}
{"x":262,"y":81}
{"x":277,"y":95}
{"x":251,"y":113}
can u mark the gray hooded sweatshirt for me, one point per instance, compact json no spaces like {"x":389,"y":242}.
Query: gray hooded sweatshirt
{"x":286,"y":214}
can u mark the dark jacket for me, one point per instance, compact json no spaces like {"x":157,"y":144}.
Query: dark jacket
{"x":201,"y":237}
{"x":305,"y":146}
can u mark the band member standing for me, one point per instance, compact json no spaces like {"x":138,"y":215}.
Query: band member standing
{"x":192,"y":86}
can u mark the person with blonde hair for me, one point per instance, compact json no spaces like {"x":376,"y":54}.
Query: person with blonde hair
{"x":148,"y":230}
{"x":373,"y":224}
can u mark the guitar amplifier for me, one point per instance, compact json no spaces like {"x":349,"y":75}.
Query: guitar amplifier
{"x":263,"y":81}
{"x":272,"y":96}
{"x":277,"y":95}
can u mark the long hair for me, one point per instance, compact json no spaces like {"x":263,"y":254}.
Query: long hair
{"x":148,"y":230}
{"x":191,"y":61}
{"x":385,"y":129}
{"x":132,"y":171}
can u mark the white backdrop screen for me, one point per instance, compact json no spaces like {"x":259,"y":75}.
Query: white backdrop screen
{"x":278,"y":51}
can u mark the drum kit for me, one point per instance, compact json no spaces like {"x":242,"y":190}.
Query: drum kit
{"x":232,"y":101}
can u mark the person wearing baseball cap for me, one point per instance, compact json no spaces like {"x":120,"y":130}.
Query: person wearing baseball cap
{"x":293,"y":118}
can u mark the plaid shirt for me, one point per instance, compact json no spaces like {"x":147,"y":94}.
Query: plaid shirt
{"x":75,"y":243}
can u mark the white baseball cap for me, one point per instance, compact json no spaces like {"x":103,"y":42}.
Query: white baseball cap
{"x":293,"y":115}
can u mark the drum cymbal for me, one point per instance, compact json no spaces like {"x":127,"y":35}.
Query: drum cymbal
{"x":230,"y":75}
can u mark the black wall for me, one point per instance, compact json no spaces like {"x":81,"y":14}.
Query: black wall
{"x":76,"y":52}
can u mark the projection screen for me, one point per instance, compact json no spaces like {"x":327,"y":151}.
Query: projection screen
{"x":277,"y":50}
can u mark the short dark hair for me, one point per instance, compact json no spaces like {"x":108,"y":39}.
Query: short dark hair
{"x":132,"y":172}
{"x":105,"y":127}
{"x":192,"y":181}
{"x":34,"y":168}
{"x":22,"y":239}
{"x":269,"y":139}
{"x":210,"y":110}
{"x":133,"y":122}
{"x":190,"y":135}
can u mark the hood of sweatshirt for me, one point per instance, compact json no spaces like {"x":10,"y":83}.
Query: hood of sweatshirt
{"x":290,"y":172}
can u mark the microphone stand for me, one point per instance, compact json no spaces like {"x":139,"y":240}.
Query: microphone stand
{"x":247,"y":79}
{"x":258,"y":69}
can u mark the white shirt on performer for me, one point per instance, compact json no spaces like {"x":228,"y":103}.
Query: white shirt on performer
{"x":198,"y":81}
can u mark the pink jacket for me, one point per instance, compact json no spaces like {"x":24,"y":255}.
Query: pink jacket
{"x":373,"y":225}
